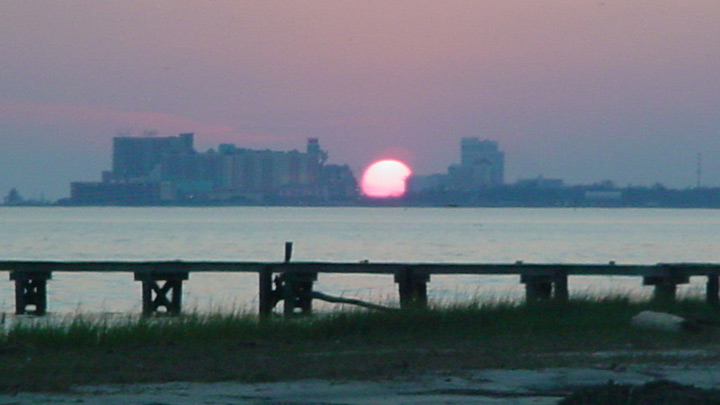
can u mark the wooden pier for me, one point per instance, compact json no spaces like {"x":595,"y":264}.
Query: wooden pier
{"x":292,"y":282}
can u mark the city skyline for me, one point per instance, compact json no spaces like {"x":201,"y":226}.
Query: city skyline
{"x":621,"y":91}
{"x":153,"y":170}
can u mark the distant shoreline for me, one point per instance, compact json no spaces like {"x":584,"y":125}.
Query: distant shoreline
{"x":509,"y":196}
{"x":378,"y":204}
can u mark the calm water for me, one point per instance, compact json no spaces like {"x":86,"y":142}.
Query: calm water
{"x":458,"y":235}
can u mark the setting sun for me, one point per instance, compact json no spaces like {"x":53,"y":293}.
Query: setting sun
{"x":385,"y":178}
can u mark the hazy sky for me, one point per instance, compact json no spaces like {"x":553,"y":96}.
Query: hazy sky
{"x":582,"y":90}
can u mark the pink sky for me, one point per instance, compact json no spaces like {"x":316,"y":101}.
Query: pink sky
{"x":585,"y":91}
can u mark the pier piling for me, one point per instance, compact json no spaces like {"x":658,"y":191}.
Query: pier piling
{"x":267,"y":296}
{"x":537,"y":288}
{"x":155,"y":295}
{"x":288,"y":251}
{"x":665,"y":286}
{"x":30,"y":290}
{"x":545,"y":287}
{"x":560,"y":287}
{"x":412,"y":287}
{"x":296,"y":290}
{"x":712,"y":290}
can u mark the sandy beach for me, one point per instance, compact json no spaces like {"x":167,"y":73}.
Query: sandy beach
{"x":545,"y":386}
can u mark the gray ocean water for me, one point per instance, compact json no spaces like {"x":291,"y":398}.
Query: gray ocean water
{"x":453,"y":235}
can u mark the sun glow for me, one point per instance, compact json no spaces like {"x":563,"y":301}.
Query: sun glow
{"x":385,"y":178}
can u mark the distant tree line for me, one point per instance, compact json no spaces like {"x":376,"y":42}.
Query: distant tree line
{"x":597,"y":195}
{"x":13,"y":197}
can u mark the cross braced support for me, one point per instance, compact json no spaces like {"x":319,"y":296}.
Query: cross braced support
{"x":296,"y":292}
{"x":30,"y":290}
{"x":161,"y":291}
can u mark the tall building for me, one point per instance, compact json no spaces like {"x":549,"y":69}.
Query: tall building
{"x":247,"y":171}
{"x":482,"y":164}
{"x":150,"y":170}
{"x":135,"y":157}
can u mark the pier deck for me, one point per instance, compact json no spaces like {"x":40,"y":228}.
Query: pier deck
{"x":292,"y":282}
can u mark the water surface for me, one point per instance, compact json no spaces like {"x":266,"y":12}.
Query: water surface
{"x":452,"y":235}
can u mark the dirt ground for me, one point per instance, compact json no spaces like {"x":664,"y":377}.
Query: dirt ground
{"x":545,"y":386}
{"x":655,"y":392}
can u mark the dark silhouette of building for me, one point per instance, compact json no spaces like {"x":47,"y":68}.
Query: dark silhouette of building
{"x":482,"y":164}
{"x":135,"y":157}
{"x":153,"y":170}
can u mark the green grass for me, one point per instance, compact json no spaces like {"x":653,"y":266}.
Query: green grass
{"x":53,"y":355}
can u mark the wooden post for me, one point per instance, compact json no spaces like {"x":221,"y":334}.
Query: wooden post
{"x":538,"y":291}
{"x":176,"y":301}
{"x":560,"y":287}
{"x":30,"y":289}
{"x":288,"y":251}
{"x":288,"y":294}
{"x":147,"y":298}
{"x":405,"y":288}
{"x":296,"y":291}
{"x":713,"y":287}
{"x":155,"y":295}
{"x":665,"y":286}
{"x":304,"y":294}
{"x":665,"y":292}
{"x":267,"y":301}
{"x":537,"y":287}
{"x":412,"y":288}
{"x":545,"y":287}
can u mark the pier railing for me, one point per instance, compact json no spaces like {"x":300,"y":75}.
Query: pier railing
{"x":292,"y":282}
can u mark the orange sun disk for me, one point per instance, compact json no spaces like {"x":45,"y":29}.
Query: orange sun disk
{"x":385,"y":178}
